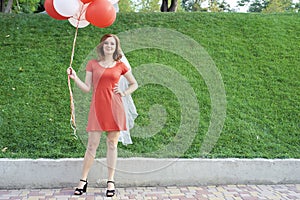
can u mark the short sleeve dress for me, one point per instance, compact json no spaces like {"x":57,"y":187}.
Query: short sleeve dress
{"x":106,"y":109}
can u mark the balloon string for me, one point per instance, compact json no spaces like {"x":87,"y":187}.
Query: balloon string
{"x":72,"y":119}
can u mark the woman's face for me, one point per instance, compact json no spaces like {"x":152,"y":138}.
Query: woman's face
{"x":109,"y":46}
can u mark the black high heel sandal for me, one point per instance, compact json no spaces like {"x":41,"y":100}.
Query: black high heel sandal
{"x":79,"y":191}
{"x":110,"y":193}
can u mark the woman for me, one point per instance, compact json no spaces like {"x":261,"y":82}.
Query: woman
{"x":106,"y":109}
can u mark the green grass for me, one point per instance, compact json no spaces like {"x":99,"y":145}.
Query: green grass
{"x":258,"y":57}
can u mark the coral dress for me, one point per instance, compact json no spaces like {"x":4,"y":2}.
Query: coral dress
{"x":106,"y":109}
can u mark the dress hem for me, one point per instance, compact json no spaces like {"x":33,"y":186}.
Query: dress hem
{"x":105,"y":130}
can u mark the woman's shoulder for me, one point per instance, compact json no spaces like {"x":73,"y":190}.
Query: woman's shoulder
{"x":122,"y":67}
{"x":121,"y":64}
{"x":92,"y":61}
{"x":91,"y":64}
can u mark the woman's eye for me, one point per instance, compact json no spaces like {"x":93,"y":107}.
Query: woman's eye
{"x":111,"y":43}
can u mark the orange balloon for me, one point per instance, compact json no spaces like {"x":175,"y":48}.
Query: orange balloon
{"x":101,"y":13}
{"x":49,"y":7}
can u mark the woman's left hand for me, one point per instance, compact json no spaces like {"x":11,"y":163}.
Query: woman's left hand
{"x":118,"y":91}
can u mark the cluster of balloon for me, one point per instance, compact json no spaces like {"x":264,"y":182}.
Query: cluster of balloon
{"x":80,"y":13}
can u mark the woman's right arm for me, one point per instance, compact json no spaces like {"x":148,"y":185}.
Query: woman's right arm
{"x":84,"y":86}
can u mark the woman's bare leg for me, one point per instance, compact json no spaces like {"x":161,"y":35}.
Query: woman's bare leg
{"x":90,"y":154}
{"x":111,"y":156}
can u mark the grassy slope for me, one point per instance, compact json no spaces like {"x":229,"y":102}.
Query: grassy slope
{"x":257,"y":56}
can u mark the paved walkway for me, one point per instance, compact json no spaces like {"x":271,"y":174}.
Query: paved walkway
{"x":225,"y":192}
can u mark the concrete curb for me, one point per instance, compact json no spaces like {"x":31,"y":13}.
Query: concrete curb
{"x":50,"y":173}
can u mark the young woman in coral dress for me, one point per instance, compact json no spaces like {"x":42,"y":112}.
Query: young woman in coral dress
{"x":106,"y":108}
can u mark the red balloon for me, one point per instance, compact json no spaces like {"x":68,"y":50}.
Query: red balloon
{"x":49,"y":7}
{"x":101,"y":13}
{"x":86,"y":1}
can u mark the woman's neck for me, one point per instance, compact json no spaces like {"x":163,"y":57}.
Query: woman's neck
{"x":108,"y":59}
{"x":107,"y":62}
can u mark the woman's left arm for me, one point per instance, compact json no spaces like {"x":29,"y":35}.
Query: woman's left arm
{"x":132,"y":85}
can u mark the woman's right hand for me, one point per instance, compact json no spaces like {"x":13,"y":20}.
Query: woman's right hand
{"x":71,"y":73}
